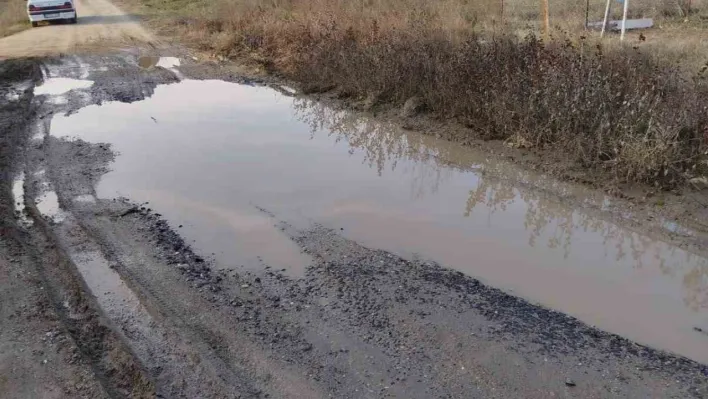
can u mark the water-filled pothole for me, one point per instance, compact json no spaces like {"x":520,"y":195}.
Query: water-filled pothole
{"x":211,"y":155}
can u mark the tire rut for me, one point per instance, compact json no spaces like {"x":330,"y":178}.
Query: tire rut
{"x":177,"y":364}
{"x":115,"y":366}
{"x":111,"y":363}
{"x":231,"y":357}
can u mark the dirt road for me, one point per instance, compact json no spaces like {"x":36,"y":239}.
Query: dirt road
{"x":246,"y":299}
{"x":172,"y":229}
{"x":99,"y":22}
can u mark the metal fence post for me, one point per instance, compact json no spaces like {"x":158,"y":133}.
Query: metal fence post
{"x":604,"y":21}
{"x":624,"y":19}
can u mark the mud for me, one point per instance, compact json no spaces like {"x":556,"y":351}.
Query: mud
{"x":233,"y":240}
{"x":53,"y":342}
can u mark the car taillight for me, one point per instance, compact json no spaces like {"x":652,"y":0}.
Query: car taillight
{"x":32,"y":7}
{"x":66,"y":5}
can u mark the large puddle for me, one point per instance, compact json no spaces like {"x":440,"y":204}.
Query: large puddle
{"x":214,"y":156}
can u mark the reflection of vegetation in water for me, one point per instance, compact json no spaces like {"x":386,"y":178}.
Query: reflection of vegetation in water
{"x":384,"y":145}
{"x":696,"y":283}
{"x":381,"y":144}
{"x":545,"y":217}
{"x":558,"y":222}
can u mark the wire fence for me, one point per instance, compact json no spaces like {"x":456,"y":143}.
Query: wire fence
{"x":577,"y":14}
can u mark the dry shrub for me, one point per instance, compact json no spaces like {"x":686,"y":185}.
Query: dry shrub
{"x":621,"y":111}
{"x":636,"y":116}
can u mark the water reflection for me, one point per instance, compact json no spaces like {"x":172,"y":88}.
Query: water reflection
{"x":696,"y":283}
{"x":548,"y":220}
{"x":381,"y":144}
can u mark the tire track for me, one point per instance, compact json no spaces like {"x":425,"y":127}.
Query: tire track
{"x":114,"y":364}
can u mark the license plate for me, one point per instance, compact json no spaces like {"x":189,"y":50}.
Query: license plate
{"x":52,"y":16}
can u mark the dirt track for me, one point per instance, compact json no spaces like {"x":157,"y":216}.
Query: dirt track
{"x":132,"y":310}
{"x":103,"y":297}
{"x":99,"y":22}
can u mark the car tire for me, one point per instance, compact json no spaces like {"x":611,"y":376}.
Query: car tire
{"x":73,"y":20}
{"x":35,"y":24}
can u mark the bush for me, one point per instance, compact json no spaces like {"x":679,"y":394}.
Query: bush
{"x":616,"y":110}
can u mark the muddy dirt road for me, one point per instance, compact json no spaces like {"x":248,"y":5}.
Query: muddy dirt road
{"x":99,"y":22}
{"x":170,"y":229}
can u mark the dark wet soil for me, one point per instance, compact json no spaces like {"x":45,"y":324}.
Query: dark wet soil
{"x":54,"y":343}
{"x":357,"y":323}
{"x":363,"y":319}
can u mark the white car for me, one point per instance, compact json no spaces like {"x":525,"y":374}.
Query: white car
{"x":51,"y":10}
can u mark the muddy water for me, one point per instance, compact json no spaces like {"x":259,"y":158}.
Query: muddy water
{"x":228,"y":162}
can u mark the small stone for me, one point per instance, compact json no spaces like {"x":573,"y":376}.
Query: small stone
{"x":569,"y":382}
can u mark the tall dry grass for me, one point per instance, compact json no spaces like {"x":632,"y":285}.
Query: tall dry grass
{"x":13,"y":16}
{"x":635,"y":115}
{"x":485,"y":17}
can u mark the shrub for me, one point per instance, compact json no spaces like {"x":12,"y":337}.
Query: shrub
{"x":618,"y":110}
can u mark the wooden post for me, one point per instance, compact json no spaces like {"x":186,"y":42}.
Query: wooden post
{"x":587,"y":13}
{"x":546,"y":19}
{"x":604,"y":21}
{"x":688,"y":10}
{"x":624,"y":19}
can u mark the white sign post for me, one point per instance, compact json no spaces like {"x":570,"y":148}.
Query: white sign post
{"x":624,"y":19}
{"x":604,"y":21}
{"x":636,"y":23}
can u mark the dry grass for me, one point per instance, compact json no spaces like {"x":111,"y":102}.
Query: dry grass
{"x":679,"y":32}
{"x":628,"y":110}
{"x":13,"y":16}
